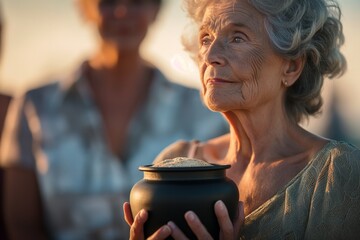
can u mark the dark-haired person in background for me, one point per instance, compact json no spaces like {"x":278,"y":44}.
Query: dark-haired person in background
{"x":4,"y":98}
{"x":4,"y":103}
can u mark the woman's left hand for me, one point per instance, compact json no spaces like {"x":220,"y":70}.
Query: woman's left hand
{"x":228,"y":229}
{"x":137,"y":225}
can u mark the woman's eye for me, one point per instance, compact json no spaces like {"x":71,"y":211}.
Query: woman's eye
{"x":205,"y":40}
{"x":238,"y":39}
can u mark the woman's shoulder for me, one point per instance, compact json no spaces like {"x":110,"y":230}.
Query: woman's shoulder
{"x":337,"y":190}
{"x":339,"y":151}
{"x":348,"y":156}
{"x":38,"y":96}
{"x":341,"y":163}
{"x":337,"y":154}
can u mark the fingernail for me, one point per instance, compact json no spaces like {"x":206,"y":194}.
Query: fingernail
{"x":220,"y":205}
{"x":166,"y":230}
{"x":171,"y":225}
{"x":190,"y":216}
{"x":142,"y":213}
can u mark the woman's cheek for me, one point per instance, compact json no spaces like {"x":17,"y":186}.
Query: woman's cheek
{"x":202,"y":68}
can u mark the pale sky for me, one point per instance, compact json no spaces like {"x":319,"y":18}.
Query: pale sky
{"x":46,"y":38}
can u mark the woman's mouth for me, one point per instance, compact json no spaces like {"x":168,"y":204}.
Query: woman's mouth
{"x":217,"y":81}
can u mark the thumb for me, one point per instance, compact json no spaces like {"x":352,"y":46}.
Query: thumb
{"x":127,"y":213}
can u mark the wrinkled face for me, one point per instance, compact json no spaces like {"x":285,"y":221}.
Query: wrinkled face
{"x":123,"y":22}
{"x":239,"y":70}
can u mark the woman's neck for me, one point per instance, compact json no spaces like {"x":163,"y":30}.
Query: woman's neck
{"x":124,"y":63}
{"x":260,"y":139}
{"x":118,"y":75}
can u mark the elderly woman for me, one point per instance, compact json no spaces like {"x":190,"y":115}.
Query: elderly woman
{"x":262,"y":65}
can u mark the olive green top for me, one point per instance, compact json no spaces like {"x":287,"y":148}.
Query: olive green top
{"x":321,"y":202}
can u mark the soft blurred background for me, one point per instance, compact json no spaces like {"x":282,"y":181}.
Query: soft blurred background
{"x":47,"y":38}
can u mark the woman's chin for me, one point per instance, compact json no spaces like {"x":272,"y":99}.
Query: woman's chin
{"x":217,"y":101}
{"x":216,"y":107}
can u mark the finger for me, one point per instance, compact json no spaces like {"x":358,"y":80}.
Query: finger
{"x":161,"y":233}
{"x":239,"y":220}
{"x":127,"y":213}
{"x":176,"y":232}
{"x":137,"y":228}
{"x":196,"y":226}
{"x":226,"y":226}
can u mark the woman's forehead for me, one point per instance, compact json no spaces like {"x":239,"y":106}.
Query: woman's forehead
{"x":119,"y":1}
{"x":218,"y":14}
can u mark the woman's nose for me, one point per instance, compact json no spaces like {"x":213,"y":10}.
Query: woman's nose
{"x":215,"y":54}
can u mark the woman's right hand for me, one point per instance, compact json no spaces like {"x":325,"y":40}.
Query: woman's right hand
{"x":228,"y":229}
{"x":137,"y":225}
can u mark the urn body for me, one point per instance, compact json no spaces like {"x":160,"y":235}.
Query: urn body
{"x":168,"y":193}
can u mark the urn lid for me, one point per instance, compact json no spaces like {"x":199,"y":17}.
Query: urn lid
{"x":213,"y":171}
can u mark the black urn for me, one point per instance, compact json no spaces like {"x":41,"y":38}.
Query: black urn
{"x":167,"y":193}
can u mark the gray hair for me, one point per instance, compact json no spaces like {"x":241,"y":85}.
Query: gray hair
{"x":308,"y":28}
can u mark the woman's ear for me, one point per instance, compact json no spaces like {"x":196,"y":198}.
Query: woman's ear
{"x":292,"y":71}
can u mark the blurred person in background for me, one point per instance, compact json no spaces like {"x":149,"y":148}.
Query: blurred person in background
{"x":4,"y":103}
{"x":72,"y":148}
{"x":4,"y":97}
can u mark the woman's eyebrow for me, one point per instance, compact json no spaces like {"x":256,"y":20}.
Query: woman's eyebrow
{"x":203,"y":27}
{"x":208,"y":25}
{"x":228,"y":25}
